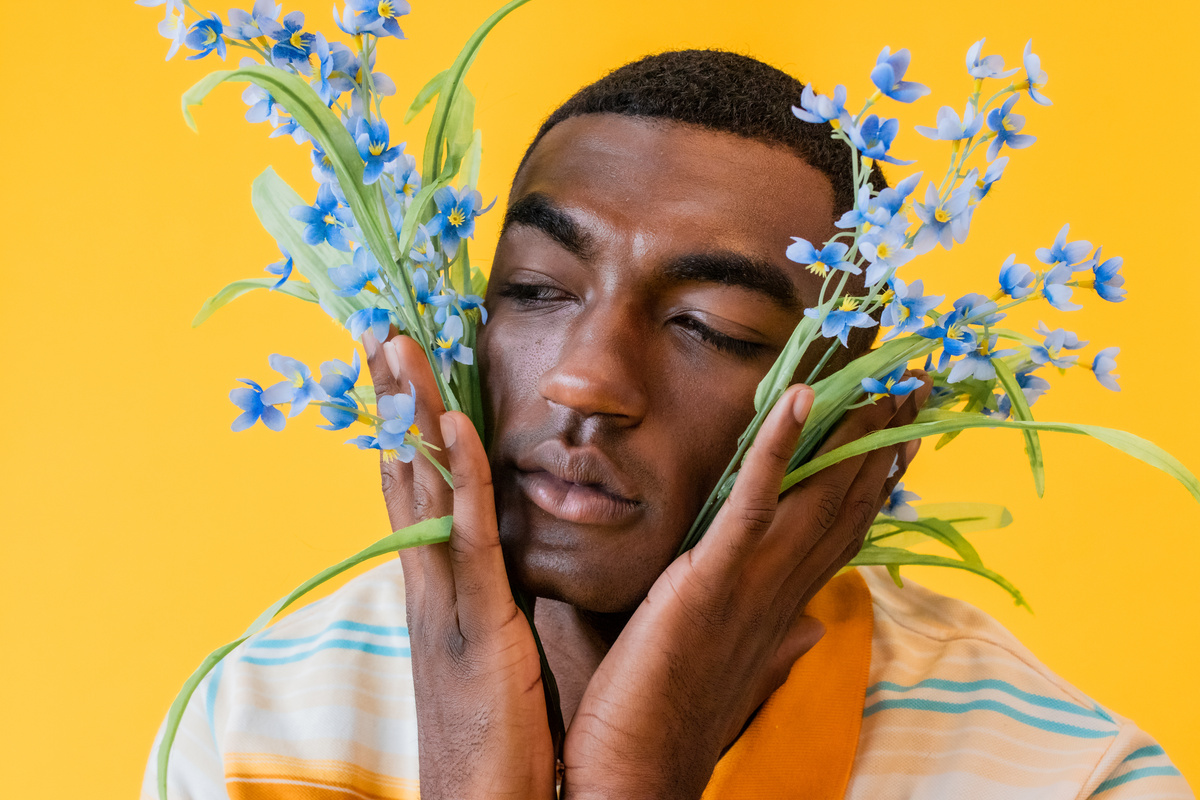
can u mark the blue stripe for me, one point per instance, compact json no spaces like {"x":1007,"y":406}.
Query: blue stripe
{"x":1133,"y":775}
{"x":989,"y":705}
{"x":1145,"y":752}
{"x":210,"y":699}
{"x":341,"y":624}
{"x":339,"y":644}
{"x":989,"y":683}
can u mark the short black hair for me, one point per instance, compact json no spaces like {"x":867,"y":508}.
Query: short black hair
{"x":728,"y":92}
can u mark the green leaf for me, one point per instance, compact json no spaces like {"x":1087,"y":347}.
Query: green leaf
{"x":239,"y":288}
{"x":472,"y":159}
{"x":936,"y":529}
{"x":431,"y":165}
{"x":936,"y":421}
{"x":427,"y":93}
{"x":273,"y":201}
{"x":426,"y":532}
{"x":459,"y":131}
{"x":1020,"y":410}
{"x":977,"y":393}
{"x":964,"y":517}
{"x":894,"y":557}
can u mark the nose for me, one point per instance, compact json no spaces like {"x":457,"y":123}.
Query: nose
{"x":601,"y":368}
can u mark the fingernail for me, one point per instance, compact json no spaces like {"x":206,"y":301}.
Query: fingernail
{"x":910,"y":449}
{"x":802,"y":404}
{"x":449,"y":431}
{"x":370,"y":343}
{"x":392,"y":357}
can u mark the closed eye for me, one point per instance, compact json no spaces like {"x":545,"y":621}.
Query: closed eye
{"x":533,"y":294}
{"x":722,"y":342}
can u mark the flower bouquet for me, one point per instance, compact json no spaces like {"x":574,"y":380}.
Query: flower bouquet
{"x":385,"y":244}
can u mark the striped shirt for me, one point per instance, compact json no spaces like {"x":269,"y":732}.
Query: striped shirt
{"x":320,"y":706}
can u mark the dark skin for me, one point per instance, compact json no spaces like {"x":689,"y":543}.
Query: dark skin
{"x":638,"y":294}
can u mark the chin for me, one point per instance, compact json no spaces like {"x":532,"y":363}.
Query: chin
{"x":602,"y":571}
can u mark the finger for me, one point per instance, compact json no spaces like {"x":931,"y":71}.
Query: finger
{"x":482,"y":592}
{"x":748,"y":512}
{"x":414,"y":491}
{"x":845,"y":537}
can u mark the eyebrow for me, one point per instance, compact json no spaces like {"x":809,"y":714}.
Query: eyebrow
{"x":724,"y":267}
{"x":537,"y":211}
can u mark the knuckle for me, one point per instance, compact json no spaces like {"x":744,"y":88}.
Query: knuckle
{"x":757,"y":514}
{"x":826,"y":506}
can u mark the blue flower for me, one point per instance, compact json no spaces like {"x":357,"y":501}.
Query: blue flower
{"x":205,"y":36}
{"x":872,"y":138}
{"x":1007,"y":126}
{"x":897,"y":505}
{"x":1055,"y":290}
{"x":1063,"y":252}
{"x":364,"y":442}
{"x":1052,"y":346}
{"x":840,"y":320}
{"x":1016,"y":280}
{"x":408,"y":180}
{"x":299,"y":388}
{"x":326,"y":221}
{"x":449,"y":347}
{"x":423,"y":251}
{"x":377,"y":320}
{"x":890,"y":385}
{"x":262,"y":21}
{"x":372,"y":140}
{"x":466,"y":302}
{"x":1109,"y":281}
{"x":347,"y":76}
{"x":293,"y":46}
{"x":978,"y":364}
{"x":1035,"y":77}
{"x":1032,"y":386}
{"x":979,"y":307}
{"x":379,"y":16}
{"x":888,"y":73}
{"x":343,"y":416}
{"x":321,"y":83}
{"x":945,"y":221}
{"x":885,"y":248}
{"x":1103,"y":365}
{"x":426,"y":296}
{"x":818,"y":108}
{"x":281,"y":268}
{"x":398,"y":412}
{"x":949,"y":128}
{"x":173,"y":27}
{"x":983,"y":185}
{"x":986,"y":67}
{"x":957,"y":338}
{"x":867,"y":211}
{"x":819,"y":262}
{"x":323,"y":171}
{"x":338,"y":377}
{"x":455,"y":220}
{"x":253,"y":408}
{"x":262,"y":104}
{"x":352,"y":278}
{"x":289,"y":127}
{"x":906,"y":311}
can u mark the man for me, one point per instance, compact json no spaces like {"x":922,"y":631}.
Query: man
{"x":638,"y":294}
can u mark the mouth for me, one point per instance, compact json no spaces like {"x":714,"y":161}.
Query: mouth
{"x":576,"y":485}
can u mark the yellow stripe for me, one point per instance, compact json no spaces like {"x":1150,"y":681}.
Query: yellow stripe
{"x":265,"y":776}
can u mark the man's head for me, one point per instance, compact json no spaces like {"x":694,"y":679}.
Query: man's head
{"x":638,"y":294}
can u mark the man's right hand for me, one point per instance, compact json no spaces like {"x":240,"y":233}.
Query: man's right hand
{"x":481,"y":710}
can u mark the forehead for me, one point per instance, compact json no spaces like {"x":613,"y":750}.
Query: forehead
{"x":654,"y":185}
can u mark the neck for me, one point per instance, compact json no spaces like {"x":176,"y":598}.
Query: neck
{"x":575,"y":641}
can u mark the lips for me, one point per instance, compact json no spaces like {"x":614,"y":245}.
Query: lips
{"x":577,"y":484}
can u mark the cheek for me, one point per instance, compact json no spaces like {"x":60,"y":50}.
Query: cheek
{"x":513,"y":355}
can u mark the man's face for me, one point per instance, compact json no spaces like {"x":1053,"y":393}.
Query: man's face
{"x":638,"y":294}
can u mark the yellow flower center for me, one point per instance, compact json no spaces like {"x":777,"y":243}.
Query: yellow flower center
{"x":408,"y":191}
{"x":1007,"y":124}
{"x":376,"y":148}
{"x":298,"y":381}
{"x":882,"y":251}
{"x":817,"y":268}
{"x":385,"y":9}
{"x":886,"y":296}
{"x":330,"y":219}
{"x":983,"y":348}
{"x":297,"y":40}
{"x":848,"y":304}
{"x":444,"y":344}
{"x":389,"y":456}
{"x":210,"y":36}
{"x":941,"y":215}
{"x":457,"y":217}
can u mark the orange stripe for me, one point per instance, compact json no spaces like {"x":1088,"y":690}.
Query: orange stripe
{"x":265,"y":776}
{"x":802,"y":742}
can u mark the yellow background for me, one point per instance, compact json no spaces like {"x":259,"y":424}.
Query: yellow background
{"x":138,"y":532}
